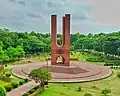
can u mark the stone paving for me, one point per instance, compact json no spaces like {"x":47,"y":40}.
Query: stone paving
{"x":76,"y":72}
{"x":22,"y":89}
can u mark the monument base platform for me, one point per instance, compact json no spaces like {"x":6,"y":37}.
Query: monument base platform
{"x":76,"y":72}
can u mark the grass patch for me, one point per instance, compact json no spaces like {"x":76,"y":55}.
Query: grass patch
{"x":82,"y":56}
{"x":70,"y":89}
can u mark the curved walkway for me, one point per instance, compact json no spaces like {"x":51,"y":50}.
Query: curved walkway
{"x":22,"y":89}
{"x":76,"y":72}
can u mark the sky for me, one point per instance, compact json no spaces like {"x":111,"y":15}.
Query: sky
{"x":87,"y":16}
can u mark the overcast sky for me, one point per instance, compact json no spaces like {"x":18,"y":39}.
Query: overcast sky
{"x":86,"y":15}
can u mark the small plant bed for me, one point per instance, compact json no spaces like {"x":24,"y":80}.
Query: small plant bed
{"x":14,"y":85}
{"x":10,"y":82}
{"x":112,"y":63}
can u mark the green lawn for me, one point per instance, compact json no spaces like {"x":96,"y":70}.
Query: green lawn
{"x":83,"y":57}
{"x":70,"y":89}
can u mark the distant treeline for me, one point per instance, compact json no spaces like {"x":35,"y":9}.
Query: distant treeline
{"x":14,"y":45}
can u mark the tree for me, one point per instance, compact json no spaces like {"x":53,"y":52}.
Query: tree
{"x":33,"y":45}
{"x":40,"y":75}
{"x":20,"y":51}
{"x":3,"y":55}
{"x":2,"y":92}
{"x":15,"y":53}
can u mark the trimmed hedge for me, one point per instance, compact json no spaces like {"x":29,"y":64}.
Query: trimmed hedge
{"x":112,"y":63}
{"x":8,"y":87}
{"x":14,"y":84}
{"x":106,"y":91}
{"x":8,"y":74}
{"x":21,"y":82}
{"x":118,"y":75}
{"x":32,"y":90}
{"x":26,"y":80}
{"x":26,"y":94}
{"x":92,"y":59}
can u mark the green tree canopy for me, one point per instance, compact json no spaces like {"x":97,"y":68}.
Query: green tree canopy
{"x":40,"y":75}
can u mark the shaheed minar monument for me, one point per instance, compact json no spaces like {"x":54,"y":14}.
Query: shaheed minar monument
{"x":64,"y":50}
{"x":73,"y":71}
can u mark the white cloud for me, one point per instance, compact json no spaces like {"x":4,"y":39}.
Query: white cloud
{"x":87,"y":15}
{"x":106,"y":12}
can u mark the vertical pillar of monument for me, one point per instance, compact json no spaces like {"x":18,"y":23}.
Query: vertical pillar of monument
{"x":53,"y":33}
{"x":63,"y":28}
{"x":64,"y":50}
{"x":67,"y":39}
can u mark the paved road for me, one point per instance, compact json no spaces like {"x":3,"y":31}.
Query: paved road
{"x":22,"y":89}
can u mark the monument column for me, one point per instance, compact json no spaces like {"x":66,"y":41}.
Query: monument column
{"x":54,"y":33}
{"x":67,"y":39}
{"x":64,"y":50}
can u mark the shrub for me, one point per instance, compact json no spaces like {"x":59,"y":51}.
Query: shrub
{"x":93,"y":59}
{"x":46,"y":82}
{"x":106,"y":91}
{"x":26,"y":94}
{"x":8,"y":87}
{"x":31,"y":91}
{"x":87,"y":94}
{"x":6,"y":79}
{"x":36,"y":87}
{"x":118,"y":75}
{"x":93,"y":86}
{"x":2,"y":92}
{"x":79,"y":88}
{"x":8,"y":74}
{"x":26,"y":80}
{"x":74,"y":58}
{"x":14,"y":84}
{"x":21,"y":82}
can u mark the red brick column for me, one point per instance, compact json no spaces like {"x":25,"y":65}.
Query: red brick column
{"x":63,"y":28}
{"x":53,"y":33}
{"x":67,"y":39}
{"x":63,"y":51}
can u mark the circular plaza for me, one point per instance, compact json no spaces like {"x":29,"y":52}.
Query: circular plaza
{"x":76,"y":72}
